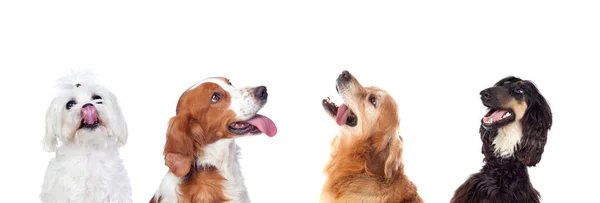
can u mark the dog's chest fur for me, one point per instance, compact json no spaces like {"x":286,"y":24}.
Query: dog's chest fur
{"x":223,"y":155}
{"x":507,"y":140}
{"x":79,"y":174}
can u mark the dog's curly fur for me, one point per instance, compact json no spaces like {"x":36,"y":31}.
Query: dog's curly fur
{"x":87,"y":167}
{"x":510,"y":145}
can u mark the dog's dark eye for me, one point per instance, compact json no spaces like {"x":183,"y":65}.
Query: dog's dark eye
{"x":70,"y":104}
{"x":215,"y":98}
{"x":518,"y":90}
{"x":94,"y":97}
{"x":373,"y":100}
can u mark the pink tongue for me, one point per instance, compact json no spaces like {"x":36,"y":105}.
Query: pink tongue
{"x":496,"y":115}
{"x":264,"y":124}
{"x":90,"y":116}
{"x":342,"y":115}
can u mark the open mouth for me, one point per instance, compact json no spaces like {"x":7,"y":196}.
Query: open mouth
{"x":343,"y":114}
{"x":497,"y":118}
{"x":89,"y":126}
{"x":255,"y":125}
{"x":242,"y":127}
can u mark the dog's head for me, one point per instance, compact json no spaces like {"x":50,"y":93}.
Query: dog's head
{"x":364,"y":108}
{"x":368,"y":111}
{"x":85,"y":113}
{"x":211,"y":110}
{"x":517,"y":105}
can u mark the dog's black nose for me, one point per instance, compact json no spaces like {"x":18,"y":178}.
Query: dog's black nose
{"x":261,"y":93}
{"x":86,"y":105}
{"x":485,"y":94}
{"x":345,"y":75}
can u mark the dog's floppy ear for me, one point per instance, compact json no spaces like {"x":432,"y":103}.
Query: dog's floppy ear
{"x":179,"y":148}
{"x":50,"y":142}
{"x":393,"y":161}
{"x":536,"y":122}
{"x":118,"y":126}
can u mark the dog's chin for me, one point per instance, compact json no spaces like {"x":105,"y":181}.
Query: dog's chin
{"x":89,"y":127}
{"x":98,"y":138}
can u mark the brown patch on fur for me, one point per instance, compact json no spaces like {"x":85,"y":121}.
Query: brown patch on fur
{"x":197,"y":123}
{"x":519,"y":107}
{"x":203,"y":185}
{"x":366,"y":161}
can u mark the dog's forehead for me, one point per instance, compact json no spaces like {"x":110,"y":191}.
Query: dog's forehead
{"x":509,"y":81}
{"x":376,"y":90}
{"x":222,"y":82}
{"x":78,"y":90}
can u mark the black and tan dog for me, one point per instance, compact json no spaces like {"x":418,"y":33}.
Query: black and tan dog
{"x":514,"y":133}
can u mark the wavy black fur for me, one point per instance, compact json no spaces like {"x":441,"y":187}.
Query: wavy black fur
{"x":506,"y":180}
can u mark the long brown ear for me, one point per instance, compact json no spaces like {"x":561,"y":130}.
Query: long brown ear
{"x":179,"y":148}
{"x":393,"y":162}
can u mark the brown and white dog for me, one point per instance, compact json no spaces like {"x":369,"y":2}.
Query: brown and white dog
{"x":366,"y":157}
{"x":200,"y":150}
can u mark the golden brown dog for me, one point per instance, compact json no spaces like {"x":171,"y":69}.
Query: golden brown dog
{"x":366,"y":157}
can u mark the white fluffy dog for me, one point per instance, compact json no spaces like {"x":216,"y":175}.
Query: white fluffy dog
{"x":85,"y":117}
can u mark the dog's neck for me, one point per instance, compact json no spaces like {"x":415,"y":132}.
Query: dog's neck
{"x":358,"y":149}
{"x":507,"y":140}
{"x":223,"y":155}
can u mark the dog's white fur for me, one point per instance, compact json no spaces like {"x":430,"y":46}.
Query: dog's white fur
{"x":508,"y":139}
{"x":87,"y":167}
{"x":222,"y":154}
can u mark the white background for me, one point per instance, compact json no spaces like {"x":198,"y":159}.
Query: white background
{"x":433,"y":57}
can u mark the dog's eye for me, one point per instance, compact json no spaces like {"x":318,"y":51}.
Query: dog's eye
{"x":518,"y":90}
{"x":70,"y":104}
{"x":94,"y":97}
{"x":373,"y":100}
{"x":215,"y":98}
